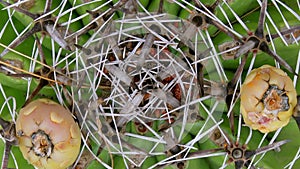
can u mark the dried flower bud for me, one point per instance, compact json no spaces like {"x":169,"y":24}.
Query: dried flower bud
{"x":268,"y":98}
{"x":48,"y":135}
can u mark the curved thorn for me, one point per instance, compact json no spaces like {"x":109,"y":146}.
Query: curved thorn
{"x":16,"y":43}
{"x":237,"y":74}
{"x":48,"y":6}
{"x":161,"y":7}
{"x":40,"y":50}
{"x":5,"y":124}
{"x":225,"y":30}
{"x":36,"y":91}
{"x":204,"y":152}
{"x":215,"y":4}
{"x":7,"y":149}
{"x":280,"y":61}
{"x":284,"y":32}
{"x":9,"y":5}
{"x":260,"y":28}
{"x":86,"y":51}
{"x":231,"y":120}
{"x":246,"y":47}
{"x":270,"y":147}
{"x":56,"y":36}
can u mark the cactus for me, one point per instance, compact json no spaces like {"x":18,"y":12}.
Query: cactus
{"x":155,"y":84}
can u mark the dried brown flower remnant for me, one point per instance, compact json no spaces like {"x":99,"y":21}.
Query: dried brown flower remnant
{"x":48,"y":135}
{"x":268,"y":99}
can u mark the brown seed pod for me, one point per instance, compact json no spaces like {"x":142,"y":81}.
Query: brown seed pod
{"x":268,"y":98}
{"x":48,"y":135}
